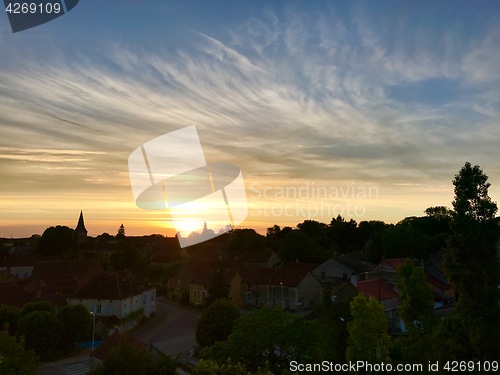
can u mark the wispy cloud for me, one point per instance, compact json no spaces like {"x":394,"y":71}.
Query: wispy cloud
{"x":292,"y":94}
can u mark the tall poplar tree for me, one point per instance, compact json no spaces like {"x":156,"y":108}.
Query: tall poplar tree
{"x":471,"y":261}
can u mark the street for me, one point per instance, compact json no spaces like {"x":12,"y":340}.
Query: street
{"x":172,"y":330}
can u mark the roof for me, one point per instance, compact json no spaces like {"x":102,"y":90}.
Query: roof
{"x":288,"y":274}
{"x":19,"y":261}
{"x":112,"y":286}
{"x":351,"y":262}
{"x":64,"y":276}
{"x":436,"y":282}
{"x":13,"y":294}
{"x":395,"y":263}
{"x":102,"y":352}
{"x":80,"y":227}
{"x":377,"y":288}
{"x":202,"y":273}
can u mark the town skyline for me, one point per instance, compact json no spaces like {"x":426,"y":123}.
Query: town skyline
{"x":358,"y":109}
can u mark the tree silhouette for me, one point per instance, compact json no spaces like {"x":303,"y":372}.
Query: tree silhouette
{"x":471,"y":261}
{"x":121,"y":232}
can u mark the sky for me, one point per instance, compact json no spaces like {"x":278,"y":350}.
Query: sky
{"x":359,"y":108}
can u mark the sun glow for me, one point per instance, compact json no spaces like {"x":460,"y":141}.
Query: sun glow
{"x":187,"y":226}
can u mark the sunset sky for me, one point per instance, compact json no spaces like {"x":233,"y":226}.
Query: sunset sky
{"x":362,"y":108}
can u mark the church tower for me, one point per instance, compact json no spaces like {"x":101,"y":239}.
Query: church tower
{"x":80,"y":230}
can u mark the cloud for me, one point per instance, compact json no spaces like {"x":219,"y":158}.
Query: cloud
{"x":298,"y":95}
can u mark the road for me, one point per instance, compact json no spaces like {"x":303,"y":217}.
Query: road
{"x":172,"y":330}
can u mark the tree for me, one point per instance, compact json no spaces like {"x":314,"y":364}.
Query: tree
{"x":127,"y":359}
{"x":75,"y":324}
{"x":294,"y":246}
{"x":313,"y":228}
{"x":417,"y":312}
{"x":219,"y":287}
{"x":41,"y":332}
{"x":56,"y":241}
{"x":439,"y":212}
{"x":242,"y":240}
{"x":8,"y":318}
{"x":368,"y":331}
{"x":37,"y":306}
{"x":128,"y":257}
{"x":331,"y":332}
{"x":216,"y":322}
{"x":471,"y":262}
{"x":344,"y":234}
{"x":14,"y":358}
{"x":265,"y":337}
{"x":121,"y":232}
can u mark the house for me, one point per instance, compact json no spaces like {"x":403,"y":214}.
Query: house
{"x":343,"y":292}
{"x":259,"y":258}
{"x":387,"y":270}
{"x":56,"y":280}
{"x":339,"y":268}
{"x":383,"y":292}
{"x":202,"y":275}
{"x":444,"y":293}
{"x":290,"y":286}
{"x":118,"y":294}
{"x":13,"y":294}
{"x":101,"y":353}
{"x":17,"y":267}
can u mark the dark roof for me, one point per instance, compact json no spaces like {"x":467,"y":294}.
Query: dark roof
{"x":290,"y":274}
{"x":377,"y":288}
{"x":102,"y":352}
{"x":436,"y":282}
{"x":112,"y":286}
{"x":80,"y":227}
{"x":64,"y":276}
{"x":395,"y":263}
{"x":352,"y":262}
{"x":202,"y":273}
{"x":13,"y":294}
{"x":17,"y":261}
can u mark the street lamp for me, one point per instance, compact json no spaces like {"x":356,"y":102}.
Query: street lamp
{"x":93,"y":330}
{"x":282,"y":301}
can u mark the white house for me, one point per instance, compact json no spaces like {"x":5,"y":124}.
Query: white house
{"x":116,"y":294}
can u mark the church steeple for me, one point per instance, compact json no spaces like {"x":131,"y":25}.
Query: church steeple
{"x":80,"y":230}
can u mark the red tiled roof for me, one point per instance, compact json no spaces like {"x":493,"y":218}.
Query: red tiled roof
{"x":102,"y":352}
{"x":377,"y":288}
{"x":13,"y":294}
{"x":112,"y":286}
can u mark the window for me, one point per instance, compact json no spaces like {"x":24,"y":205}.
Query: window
{"x":203,"y":295}
{"x":195,"y":294}
{"x":98,"y":309}
{"x":110,"y":309}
